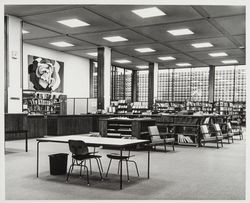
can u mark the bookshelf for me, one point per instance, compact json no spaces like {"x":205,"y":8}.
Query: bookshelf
{"x":139,"y":107}
{"x":41,"y":102}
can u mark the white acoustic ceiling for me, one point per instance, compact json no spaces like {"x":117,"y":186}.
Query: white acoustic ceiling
{"x":222,"y":26}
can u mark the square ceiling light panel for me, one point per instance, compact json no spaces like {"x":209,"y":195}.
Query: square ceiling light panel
{"x":92,"y":53}
{"x":122,"y":61}
{"x":115,"y":39}
{"x":74,"y":22}
{"x":166,"y":58}
{"x":218,"y":54}
{"x":202,"y":45}
{"x":183,"y":64}
{"x":145,"y":50}
{"x":180,"y":32}
{"x":149,"y":12}
{"x":230,"y":61}
{"x":142,"y":66}
{"x":25,"y":32}
{"x":62,"y":44}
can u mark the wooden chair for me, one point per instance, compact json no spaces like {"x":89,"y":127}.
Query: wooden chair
{"x":210,"y":137}
{"x":158,"y":138}
{"x":227,"y":135}
{"x":236,"y":130}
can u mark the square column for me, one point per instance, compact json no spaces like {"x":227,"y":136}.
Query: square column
{"x":103,"y":78}
{"x":211,"y":83}
{"x":152,"y":84}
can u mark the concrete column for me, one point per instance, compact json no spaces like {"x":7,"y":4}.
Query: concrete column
{"x":13,"y":74}
{"x":134,"y":86}
{"x":152,"y":84}
{"x":211,"y":83}
{"x":103,"y":78}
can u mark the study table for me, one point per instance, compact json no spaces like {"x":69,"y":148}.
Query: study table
{"x":96,"y":142}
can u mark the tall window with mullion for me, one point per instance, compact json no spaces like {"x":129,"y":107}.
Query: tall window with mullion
{"x":182,"y":84}
{"x":165,"y":85}
{"x":224,"y":83}
{"x":240,"y":84}
{"x":94,"y":80}
{"x":118,"y":83}
{"x":142,"y":86}
{"x":128,"y":85}
{"x":199,"y":84}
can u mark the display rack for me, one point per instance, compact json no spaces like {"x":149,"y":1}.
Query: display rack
{"x":122,"y":107}
{"x":139,"y":107}
{"x":169,"y":107}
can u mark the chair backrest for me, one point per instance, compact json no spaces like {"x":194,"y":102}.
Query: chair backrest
{"x":204,"y":131}
{"x":229,"y":126}
{"x":78,"y":147}
{"x":206,"y":121}
{"x":154,"y":133}
{"x":153,"y":130}
{"x":217,"y":127}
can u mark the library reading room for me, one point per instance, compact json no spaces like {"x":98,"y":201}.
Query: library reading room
{"x":124,"y":102}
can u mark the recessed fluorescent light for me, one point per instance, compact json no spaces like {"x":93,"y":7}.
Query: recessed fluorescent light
{"x":62,"y":44}
{"x":166,"y":58}
{"x":180,"y":32}
{"x":122,"y":61}
{"x":142,"y":66}
{"x":115,"y":39}
{"x":183,"y":64}
{"x":202,"y":45}
{"x":144,"y":50}
{"x":149,"y":12}
{"x":25,"y":32}
{"x":73,"y":23}
{"x":230,"y":61}
{"x":92,"y":53}
{"x":217,"y":54}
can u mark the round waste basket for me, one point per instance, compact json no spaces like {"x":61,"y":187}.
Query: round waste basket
{"x":58,"y":163}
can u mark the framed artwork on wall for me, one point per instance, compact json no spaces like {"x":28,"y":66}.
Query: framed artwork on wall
{"x":45,"y":74}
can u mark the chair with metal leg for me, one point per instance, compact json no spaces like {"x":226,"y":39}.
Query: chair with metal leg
{"x":126,"y":158}
{"x":80,"y":153}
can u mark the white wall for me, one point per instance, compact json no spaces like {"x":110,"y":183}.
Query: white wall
{"x":14,"y":85}
{"x":76,"y":70}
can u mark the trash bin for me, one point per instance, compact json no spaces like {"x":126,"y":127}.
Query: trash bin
{"x":58,"y":163}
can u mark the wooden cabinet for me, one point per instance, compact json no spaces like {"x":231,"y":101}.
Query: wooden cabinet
{"x":68,"y":125}
{"x":114,"y":127}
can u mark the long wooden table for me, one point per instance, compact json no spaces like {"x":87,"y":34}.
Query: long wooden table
{"x":95,"y":142}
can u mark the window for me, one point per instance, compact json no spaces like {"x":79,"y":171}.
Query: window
{"x":199,"y":84}
{"x":240,"y":84}
{"x":121,"y":85}
{"x":165,"y":85}
{"x":224,"y":83}
{"x":142,"y":86}
{"x":128,"y":85}
{"x":181,"y":84}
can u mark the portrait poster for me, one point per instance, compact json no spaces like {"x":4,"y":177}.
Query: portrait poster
{"x":45,"y":74}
